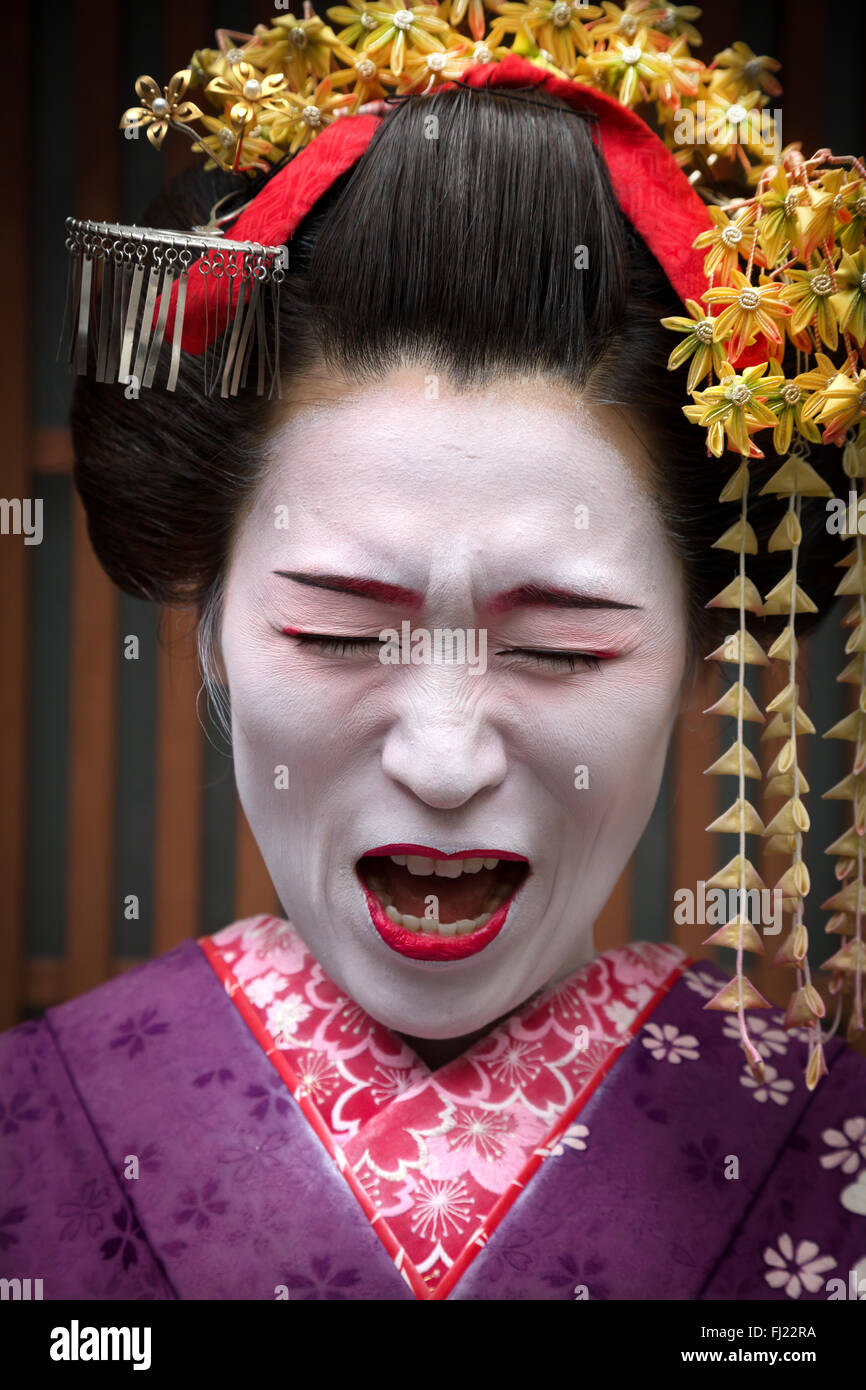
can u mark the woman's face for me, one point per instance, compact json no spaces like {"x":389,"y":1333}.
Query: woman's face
{"x":445,"y":809}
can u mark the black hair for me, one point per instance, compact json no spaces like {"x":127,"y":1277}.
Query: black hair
{"x":451,"y":242}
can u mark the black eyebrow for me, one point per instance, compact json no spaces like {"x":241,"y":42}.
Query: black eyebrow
{"x":365,"y":588}
{"x":542,"y":596}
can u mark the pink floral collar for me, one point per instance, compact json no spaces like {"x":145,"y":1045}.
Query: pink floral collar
{"x":436,"y":1158}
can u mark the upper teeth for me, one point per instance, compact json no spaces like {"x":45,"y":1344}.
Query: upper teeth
{"x":442,"y":868}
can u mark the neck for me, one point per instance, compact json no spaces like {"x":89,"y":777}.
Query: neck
{"x":438,"y":1052}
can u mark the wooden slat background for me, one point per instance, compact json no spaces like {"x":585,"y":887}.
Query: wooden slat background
{"x":89,"y":54}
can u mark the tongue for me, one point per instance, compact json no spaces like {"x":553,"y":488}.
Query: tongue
{"x":459,"y":899}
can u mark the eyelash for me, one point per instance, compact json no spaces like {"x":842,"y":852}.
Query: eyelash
{"x":349,"y":646}
{"x":571,"y":661}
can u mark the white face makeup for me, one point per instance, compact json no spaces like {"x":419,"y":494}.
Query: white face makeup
{"x":462,"y":509}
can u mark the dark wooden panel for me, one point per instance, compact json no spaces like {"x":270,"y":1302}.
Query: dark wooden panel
{"x":48,"y":717}
{"x":695,"y":854}
{"x":186,"y":28}
{"x":178,"y":788}
{"x":15,"y":377}
{"x":135,"y":774}
{"x":94,"y":600}
{"x":91,"y":770}
{"x":805,"y":76}
{"x":52,"y":450}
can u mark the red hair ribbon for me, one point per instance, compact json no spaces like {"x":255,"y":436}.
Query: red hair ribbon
{"x":651,"y":189}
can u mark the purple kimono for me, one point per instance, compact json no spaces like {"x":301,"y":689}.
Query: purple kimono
{"x":223,"y":1123}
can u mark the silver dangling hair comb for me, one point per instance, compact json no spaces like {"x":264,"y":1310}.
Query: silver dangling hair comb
{"x":115,"y":276}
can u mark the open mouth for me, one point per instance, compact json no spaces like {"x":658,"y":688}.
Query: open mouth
{"x":421,"y":899}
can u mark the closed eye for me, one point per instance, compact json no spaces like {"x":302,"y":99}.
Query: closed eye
{"x":555,"y":660}
{"x":336,"y":646}
{"x":550,"y":658}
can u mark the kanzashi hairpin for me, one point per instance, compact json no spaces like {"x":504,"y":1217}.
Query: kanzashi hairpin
{"x":127,"y":291}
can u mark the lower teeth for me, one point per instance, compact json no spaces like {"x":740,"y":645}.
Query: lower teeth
{"x":432,"y":926}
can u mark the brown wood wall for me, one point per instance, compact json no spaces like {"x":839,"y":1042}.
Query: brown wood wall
{"x":92,"y":72}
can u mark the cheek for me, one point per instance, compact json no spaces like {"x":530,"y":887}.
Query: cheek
{"x":267,"y":718}
{"x":272,"y":700}
{"x":293,"y":734}
{"x":642,"y":717}
{"x":602,"y":738}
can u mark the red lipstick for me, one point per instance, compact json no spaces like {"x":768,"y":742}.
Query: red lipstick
{"x":426,"y":946}
{"x":410,"y":939}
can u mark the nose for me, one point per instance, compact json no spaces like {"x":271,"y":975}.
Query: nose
{"x":441,"y":746}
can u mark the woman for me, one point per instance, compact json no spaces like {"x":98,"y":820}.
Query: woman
{"x":452,"y":587}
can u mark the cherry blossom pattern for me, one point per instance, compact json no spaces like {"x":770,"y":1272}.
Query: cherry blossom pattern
{"x":318,"y":1076}
{"x":19,"y":1110}
{"x":388,"y":1083}
{"x":349,"y":1065}
{"x":122,"y":1246}
{"x":488,"y":1144}
{"x":436,"y":1158}
{"x":12,"y":1216}
{"x":774,"y":1087}
{"x":860,"y":1279}
{"x":263,"y":944}
{"x":148,"y":1154}
{"x":575,"y":1137}
{"x":580,"y":1275}
{"x":284,"y":1017}
{"x":197,"y":1207}
{"x":848,"y":1145}
{"x":84,"y":1211}
{"x":701,"y":981}
{"x":223,"y":1075}
{"x":768,"y":1035}
{"x":796,"y":1270}
{"x":705,"y":1160}
{"x":620,"y":1014}
{"x":853,"y":1197}
{"x":133,"y":1033}
{"x":322,"y":1282}
{"x":518,"y":1063}
{"x":267,"y":1099}
{"x":262,"y":990}
{"x":441,"y":1208}
{"x":667,"y":1043}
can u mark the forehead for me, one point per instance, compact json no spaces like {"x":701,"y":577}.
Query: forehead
{"x":409,"y":459}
